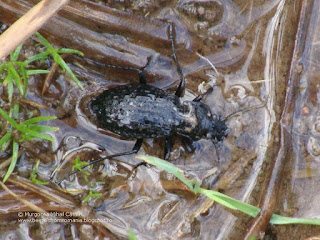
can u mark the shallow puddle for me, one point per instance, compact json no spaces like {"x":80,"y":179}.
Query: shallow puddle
{"x":266,"y":86}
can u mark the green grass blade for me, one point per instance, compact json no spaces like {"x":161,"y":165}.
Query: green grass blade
{"x":10,"y":86}
{"x":15,"y":110}
{"x":33,"y":175}
{"x":3,"y":67}
{"x":40,"y":56}
{"x":131,"y":235}
{"x":194,"y":186}
{"x":212,"y":196}
{"x":9,"y":119}
{"x":6,"y":145}
{"x":5,"y":140}
{"x":42,"y":128}
{"x":38,"y":119}
{"x":78,"y":164}
{"x":15,"y":54}
{"x":64,"y":66}
{"x":277,"y":219}
{"x":171,"y":168}
{"x":37,"y":71}
{"x":26,"y":137}
{"x":58,"y":59}
{"x":13,"y":71}
{"x":69,"y":50}
{"x":25,"y":79}
{"x":23,"y":129}
{"x":27,"y":131}
{"x":236,"y":204}
{"x":15,"y":150}
{"x":91,"y":194}
{"x":19,"y":63}
{"x":16,"y":77}
{"x":43,"y":40}
{"x":39,"y":182}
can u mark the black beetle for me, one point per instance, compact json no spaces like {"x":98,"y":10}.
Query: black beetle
{"x":143,"y":111}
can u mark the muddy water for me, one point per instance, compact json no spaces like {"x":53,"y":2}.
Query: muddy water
{"x":253,"y":46}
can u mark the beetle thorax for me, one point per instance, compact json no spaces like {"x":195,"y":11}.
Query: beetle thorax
{"x":200,"y":123}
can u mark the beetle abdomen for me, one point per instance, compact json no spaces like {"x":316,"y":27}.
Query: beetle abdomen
{"x":137,"y":111}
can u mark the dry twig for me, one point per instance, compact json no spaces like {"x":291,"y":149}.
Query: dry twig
{"x":28,"y":24}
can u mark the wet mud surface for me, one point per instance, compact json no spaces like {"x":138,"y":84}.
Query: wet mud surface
{"x":266,"y":81}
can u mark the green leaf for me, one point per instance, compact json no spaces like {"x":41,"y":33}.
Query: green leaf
{"x":10,"y":86}
{"x":5,"y":140}
{"x":58,"y":59}
{"x":43,"y":40}
{"x":101,"y":183}
{"x":19,"y":63}
{"x":78,"y":164}
{"x":33,"y":175}
{"x":171,"y":168}
{"x":38,"y":119}
{"x":131,"y":234}
{"x":25,"y":79}
{"x":35,"y":134}
{"x":277,"y":219}
{"x":72,"y":75}
{"x":15,"y":111}
{"x":231,"y":202}
{"x":14,"y":55}
{"x":69,"y":50}
{"x":91,"y":194}
{"x":16,"y":77}
{"x":6,"y":145}
{"x":23,"y":129}
{"x":3,"y":67}
{"x":194,"y":186}
{"x":42,"y":128}
{"x":26,"y":137}
{"x":86,"y":199}
{"x":40,"y":56}
{"x":15,"y":150}
{"x":37,"y":71}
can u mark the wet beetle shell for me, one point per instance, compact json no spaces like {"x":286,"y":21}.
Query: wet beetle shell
{"x":138,"y":111}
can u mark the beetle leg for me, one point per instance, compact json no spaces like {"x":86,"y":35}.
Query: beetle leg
{"x":217,"y":150}
{"x":142,"y":76}
{"x":189,"y":144}
{"x":137,"y":145}
{"x":167,"y":148}
{"x":199,"y":98}
{"x":182,"y":84}
{"x":135,"y":149}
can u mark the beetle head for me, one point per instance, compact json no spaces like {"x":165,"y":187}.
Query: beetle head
{"x":218,"y":130}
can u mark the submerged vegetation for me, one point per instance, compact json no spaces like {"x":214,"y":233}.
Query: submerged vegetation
{"x":79,"y":165}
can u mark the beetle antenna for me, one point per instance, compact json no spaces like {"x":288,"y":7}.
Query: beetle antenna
{"x":83,"y":167}
{"x":140,"y":71}
{"x":210,"y":63}
{"x":183,"y":80}
{"x":263,"y":104}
